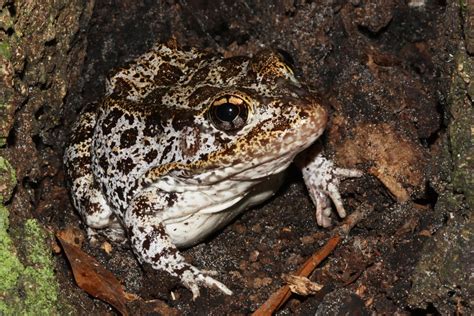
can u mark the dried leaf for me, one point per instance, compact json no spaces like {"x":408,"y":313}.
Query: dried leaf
{"x":391,"y":183}
{"x":107,"y":247}
{"x":301,"y":285}
{"x":95,"y":279}
{"x":279,"y":298}
{"x":72,"y":235}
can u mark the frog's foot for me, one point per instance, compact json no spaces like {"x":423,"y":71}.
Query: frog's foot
{"x":322,"y":179}
{"x":152,"y":244}
{"x":192,"y":278}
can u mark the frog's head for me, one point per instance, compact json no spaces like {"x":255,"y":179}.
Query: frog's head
{"x":251,"y":117}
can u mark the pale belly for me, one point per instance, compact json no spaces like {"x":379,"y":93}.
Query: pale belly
{"x":192,"y":229}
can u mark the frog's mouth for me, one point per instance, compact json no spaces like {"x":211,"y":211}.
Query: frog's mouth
{"x":276,"y":161}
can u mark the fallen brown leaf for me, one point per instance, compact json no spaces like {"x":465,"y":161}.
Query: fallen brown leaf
{"x":72,"y":235}
{"x":107,"y":247}
{"x":301,"y":285}
{"x":391,"y":183}
{"x":95,"y":279}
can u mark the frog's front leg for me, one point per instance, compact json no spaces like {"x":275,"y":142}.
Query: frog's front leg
{"x":153,"y":245}
{"x":322,"y":178}
{"x":86,"y":194}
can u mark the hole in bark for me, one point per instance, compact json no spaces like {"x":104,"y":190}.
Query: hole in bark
{"x":51,"y":42}
{"x":11,"y":10}
{"x":430,"y":198}
{"x":286,"y":57}
{"x":42,"y":110}
{"x":11,"y":138}
{"x":429,"y":310}
{"x":371,"y":34}
{"x":29,"y":183}
{"x":39,"y":144}
{"x":431,"y":140}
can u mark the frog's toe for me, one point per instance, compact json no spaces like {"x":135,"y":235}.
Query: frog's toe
{"x":333,"y":187}
{"x":213,"y":283}
{"x":322,"y":200}
{"x":194,"y":278}
{"x":323,"y":208}
{"x":333,"y":192}
{"x":322,"y":219}
{"x":209,"y":272}
{"x":344,"y":173}
{"x":92,"y":236}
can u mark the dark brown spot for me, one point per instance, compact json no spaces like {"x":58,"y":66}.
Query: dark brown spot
{"x":81,"y":167}
{"x":128,"y":138}
{"x":121,"y":87}
{"x":104,"y":162}
{"x":151,"y":155}
{"x":126,"y":165}
{"x":167,"y":75}
{"x":165,"y":252}
{"x":201,"y":94}
{"x":171,"y":198}
{"x":119,"y":192}
{"x":199,"y":76}
{"x":152,"y":125}
{"x":232,"y":66}
{"x":129,"y":117}
{"x":146,"y":243}
{"x":110,"y":121}
{"x":166,"y":151}
{"x":180,"y":271}
{"x":182,"y":119}
{"x":103,"y":187}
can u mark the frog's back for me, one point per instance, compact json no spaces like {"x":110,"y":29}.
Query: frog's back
{"x":160,"y":68}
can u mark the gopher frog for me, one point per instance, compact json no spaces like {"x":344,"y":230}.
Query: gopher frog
{"x":183,"y":141}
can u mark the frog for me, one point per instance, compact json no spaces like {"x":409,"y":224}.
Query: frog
{"x":184,"y":140}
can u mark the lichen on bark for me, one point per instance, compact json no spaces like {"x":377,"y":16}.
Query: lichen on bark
{"x":26,"y":263}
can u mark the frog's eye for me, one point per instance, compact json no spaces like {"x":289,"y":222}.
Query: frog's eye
{"x":229,"y":113}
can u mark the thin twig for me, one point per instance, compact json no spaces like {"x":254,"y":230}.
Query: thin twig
{"x":277,"y":299}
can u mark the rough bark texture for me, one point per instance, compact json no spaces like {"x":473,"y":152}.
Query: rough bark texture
{"x":42,"y":48}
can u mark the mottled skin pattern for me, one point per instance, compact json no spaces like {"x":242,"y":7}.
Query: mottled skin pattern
{"x":163,"y":159}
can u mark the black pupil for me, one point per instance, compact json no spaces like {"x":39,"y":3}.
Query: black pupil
{"x":227,"y":112}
